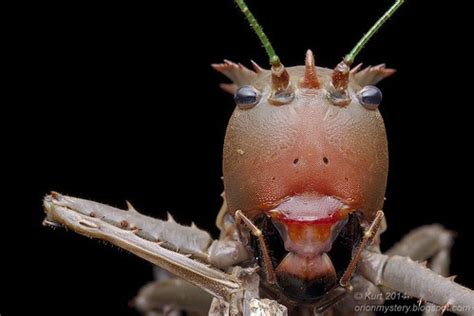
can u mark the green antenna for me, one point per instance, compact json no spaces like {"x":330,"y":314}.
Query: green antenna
{"x":349,"y":59}
{"x":274,"y":59}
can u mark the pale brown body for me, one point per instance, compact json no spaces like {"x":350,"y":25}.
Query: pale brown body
{"x":315,"y":169}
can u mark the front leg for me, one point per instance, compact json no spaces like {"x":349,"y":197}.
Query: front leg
{"x":404,"y":275}
{"x":151,"y":239}
{"x":430,"y":243}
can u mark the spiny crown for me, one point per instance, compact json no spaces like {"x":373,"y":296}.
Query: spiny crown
{"x":282,"y":88}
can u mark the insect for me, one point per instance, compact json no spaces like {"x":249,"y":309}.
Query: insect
{"x":305,"y":170}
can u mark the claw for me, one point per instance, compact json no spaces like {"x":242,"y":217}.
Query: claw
{"x":407,"y":276}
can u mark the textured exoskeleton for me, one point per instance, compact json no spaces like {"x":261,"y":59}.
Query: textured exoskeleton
{"x":305,"y":170}
{"x":306,"y":165}
{"x":304,"y":181}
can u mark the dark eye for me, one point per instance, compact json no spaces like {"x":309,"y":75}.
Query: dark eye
{"x":370,"y":97}
{"x":246,"y":97}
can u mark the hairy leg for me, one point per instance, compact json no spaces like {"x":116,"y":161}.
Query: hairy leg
{"x":431,"y":243}
{"x":404,"y":275}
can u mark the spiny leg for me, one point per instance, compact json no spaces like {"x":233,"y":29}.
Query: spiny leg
{"x":439,"y":264}
{"x":240,"y":219}
{"x":151,"y":239}
{"x":363,"y":293}
{"x":404,"y":275}
{"x":430,"y":243}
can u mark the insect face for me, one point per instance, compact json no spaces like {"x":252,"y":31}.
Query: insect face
{"x":305,"y":158}
{"x":305,"y":169}
{"x":304,"y":166}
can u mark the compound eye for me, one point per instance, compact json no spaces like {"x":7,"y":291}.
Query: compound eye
{"x":370,"y":97}
{"x":246,"y":97}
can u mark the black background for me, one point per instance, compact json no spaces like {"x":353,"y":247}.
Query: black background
{"x":117,"y":102}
